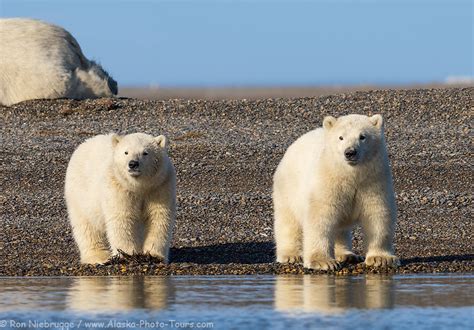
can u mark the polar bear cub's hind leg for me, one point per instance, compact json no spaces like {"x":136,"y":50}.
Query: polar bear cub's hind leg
{"x":92,"y":242}
{"x":343,"y":247}
{"x":288,"y":232}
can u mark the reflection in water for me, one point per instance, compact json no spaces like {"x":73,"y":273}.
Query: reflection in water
{"x":46,"y":293}
{"x":119,"y":294}
{"x":312,"y":293}
{"x":331,"y":295}
{"x":427,"y":301}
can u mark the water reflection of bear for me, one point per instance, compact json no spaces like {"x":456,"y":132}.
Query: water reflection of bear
{"x":328,"y":294}
{"x":120,"y":293}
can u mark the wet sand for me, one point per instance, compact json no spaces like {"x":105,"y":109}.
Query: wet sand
{"x":225,"y":153}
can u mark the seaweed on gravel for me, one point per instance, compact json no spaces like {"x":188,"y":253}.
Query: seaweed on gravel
{"x":133,"y":259}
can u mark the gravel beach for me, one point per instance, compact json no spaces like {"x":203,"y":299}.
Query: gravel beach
{"x":225,"y":153}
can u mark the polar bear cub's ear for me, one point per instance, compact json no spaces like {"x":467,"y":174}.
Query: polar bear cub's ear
{"x":116,"y":139}
{"x":377,"y":120}
{"x":329,"y":122}
{"x":162,"y":141}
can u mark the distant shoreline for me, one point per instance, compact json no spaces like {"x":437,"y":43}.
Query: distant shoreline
{"x":257,"y":92}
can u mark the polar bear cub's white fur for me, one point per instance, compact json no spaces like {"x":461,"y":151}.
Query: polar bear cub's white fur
{"x":120,"y":195}
{"x":39,"y":60}
{"x":328,"y":180}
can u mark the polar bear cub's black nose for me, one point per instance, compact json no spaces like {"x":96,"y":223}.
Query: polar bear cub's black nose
{"x":350,"y":153}
{"x":133,"y":164}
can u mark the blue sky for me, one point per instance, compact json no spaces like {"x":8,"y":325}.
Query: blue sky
{"x":267,"y":43}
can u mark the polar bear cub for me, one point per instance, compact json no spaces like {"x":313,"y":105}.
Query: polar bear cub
{"x":39,"y":60}
{"x":120,"y":195}
{"x":328,"y":180}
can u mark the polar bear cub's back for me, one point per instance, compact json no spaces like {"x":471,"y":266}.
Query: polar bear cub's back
{"x":87,"y":168}
{"x":97,"y":148}
{"x":294,"y":171}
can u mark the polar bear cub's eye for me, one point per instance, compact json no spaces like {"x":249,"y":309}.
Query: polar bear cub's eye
{"x":341,"y":138}
{"x":145,"y":153}
{"x":126,"y":152}
{"x":362,"y":137}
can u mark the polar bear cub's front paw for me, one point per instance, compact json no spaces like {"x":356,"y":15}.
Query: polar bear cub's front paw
{"x":322,"y":263}
{"x":382,"y":261}
{"x":96,"y":257}
{"x":289,"y":258}
{"x":158,"y":255}
{"x":289,"y":255}
{"x":349,"y":258}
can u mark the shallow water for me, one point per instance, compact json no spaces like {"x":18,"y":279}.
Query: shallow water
{"x":277,"y":302}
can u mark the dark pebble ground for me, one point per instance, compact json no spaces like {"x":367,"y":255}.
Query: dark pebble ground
{"x":225,"y":153}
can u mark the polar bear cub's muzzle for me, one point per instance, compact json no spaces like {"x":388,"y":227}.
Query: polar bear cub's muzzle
{"x":134,"y":168}
{"x":351,"y":155}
